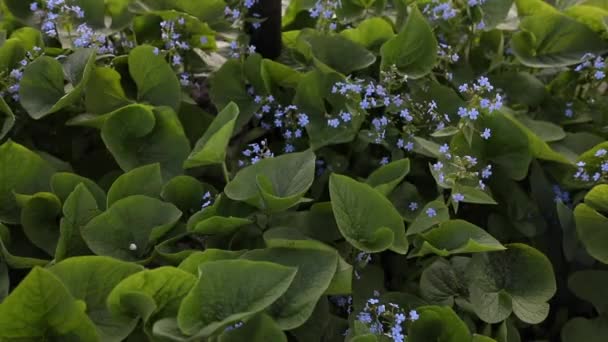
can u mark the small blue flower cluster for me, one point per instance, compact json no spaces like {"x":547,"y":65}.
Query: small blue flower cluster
{"x":479,"y":102}
{"x":234,"y":326}
{"x":325,"y":10}
{"x":237,"y":16}
{"x":52,"y":13}
{"x":447,"y":53}
{"x":386,"y":319}
{"x":438,"y":10}
{"x":400,"y":112}
{"x":585,"y":175}
{"x":89,"y":38}
{"x":592,"y":65}
{"x":569,"y":112}
{"x":207,"y":200}
{"x":561,"y":195}
{"x":13,"y":79}
{"x":174,"y":47}
{"x":288,"y":120}
{"x":343,"y":302}
{"x":460,"y":169}
{"x":255,"y":153}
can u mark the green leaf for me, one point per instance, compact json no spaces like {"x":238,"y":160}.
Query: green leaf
{"x":78,"y":209}
{"x":91,"y":279}
{"x":39,"y":220}
{"x":260,"y":328}
{"x":6,"y":123}
{"x":218,"y":225}
{"x":518,"y":280}
{"x":444,"y":281}
{"x":439,"y":324}
{"x":212,"y":146}
{"x":42,"y":86}
{"x":550,"y":39}
{"x":387,"y":177}
{"x":588,"y":330}
{"x":228,"y":84}
{"x":41,"y":308}
{"x":150,"y":294}
{"x":370,"y":33}
{"x":366,"y":218}
{"x":588,"y":285}
{"x":293,"y":238}
{"x":104,"y":92}
{"x":423,"y":221}
{"x":191,"y":263}
{"x":185,"y":192}
{"x":276,"y":183}
{"x":21,"y":171}
{"x":145,"y":180}
{"x":591,"y":229}
{"x":64,"y":183}
{"x":329,"y":51}
{"x":11,"y":53}
{"x":13,"y":261}
{"x":137,"y":135}
{"x":316,"y":268}
{"x":135,"y":220}
{"x":414,"y":50}
{"x":456,"y":237}
{"x":591,"y":16}
{"x":254,"y":286}
{"x":156,"y":82}
{"x":312,"y":95}
{"x":473,"y":195}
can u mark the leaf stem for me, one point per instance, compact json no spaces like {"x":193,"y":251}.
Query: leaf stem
{"x":226,"y":173}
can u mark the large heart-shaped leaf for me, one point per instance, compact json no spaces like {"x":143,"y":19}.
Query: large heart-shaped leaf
{"x":42,"y":86}
{"x":150,"y":294}
{"x":254,"y":286}
{"x":366,"y":218}
{"x":211,"y":147}
{"x":130,"y":228}
{"x":549,"y":39}
{"x":145,"y":180}
{"x":91,"y":279}
{"x":518,"y":280}
{"x":275,"y":183}
{"x":21,"y":171}
{"x":138,"y":135}
{"x":156,"y":82}
{"x":591,"y":222}
{"x":414,"y":50}
{"x":455,"y":237}
{"x":40,"y":308}
{"x":316,"y":268}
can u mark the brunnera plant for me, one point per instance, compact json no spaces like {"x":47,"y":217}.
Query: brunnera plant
{"x":423,"y":170}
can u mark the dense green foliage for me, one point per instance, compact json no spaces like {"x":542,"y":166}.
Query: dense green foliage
{"x":429,"y":170}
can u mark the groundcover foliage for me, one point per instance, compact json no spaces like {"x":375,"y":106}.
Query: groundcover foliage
{"x":429,"y":170}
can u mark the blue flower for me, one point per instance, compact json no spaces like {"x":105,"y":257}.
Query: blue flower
{"x":458,"y":197}
{"x":414,"y":316}
{"x":430,"y":212}
{"x":413,"y":206}
{"x":364,"y":317}
{"x":487,"y":133}
{"x":599,"y":75}
{"x":473,"y":114}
